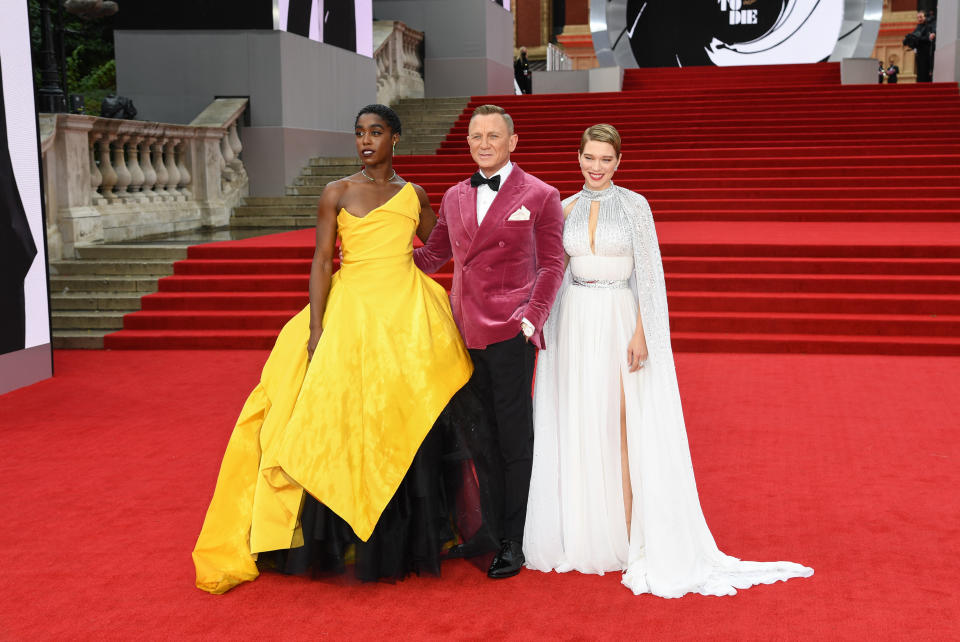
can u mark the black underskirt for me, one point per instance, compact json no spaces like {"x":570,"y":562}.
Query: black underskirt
{"x":445,"y":507}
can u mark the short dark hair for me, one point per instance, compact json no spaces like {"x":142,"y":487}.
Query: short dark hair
{"x":388,"y":115}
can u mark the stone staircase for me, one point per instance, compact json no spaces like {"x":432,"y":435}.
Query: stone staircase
{"x":90,"y":294}
{"x":426,"y":122}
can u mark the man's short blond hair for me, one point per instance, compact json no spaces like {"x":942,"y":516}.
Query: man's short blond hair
{"x":484,"y":110}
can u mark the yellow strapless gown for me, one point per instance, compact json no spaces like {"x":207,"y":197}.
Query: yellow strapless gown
{"x":345,"y":425}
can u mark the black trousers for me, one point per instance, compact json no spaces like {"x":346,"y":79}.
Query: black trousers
{"x":503,"y":381}
{"x":924,"y":62}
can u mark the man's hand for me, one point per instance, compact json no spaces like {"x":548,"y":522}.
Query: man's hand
{"x":527,"y":328}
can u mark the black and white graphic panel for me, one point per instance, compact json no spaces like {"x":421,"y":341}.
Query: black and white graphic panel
{"x":347,"y":24}
{"x":24,"y":317}
{"x":665,"y":33}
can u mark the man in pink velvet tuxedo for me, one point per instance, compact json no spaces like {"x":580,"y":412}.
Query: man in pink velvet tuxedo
{"x":503,"y":228}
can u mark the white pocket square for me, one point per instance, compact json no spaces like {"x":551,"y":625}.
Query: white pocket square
{"x":522,"y":214}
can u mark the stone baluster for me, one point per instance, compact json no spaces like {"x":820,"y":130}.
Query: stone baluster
{"x":184,"y":184}
{"x":228,"y":157}
{"x":120,"y":167}
{"x":236,"y":147}
{"x":160,"y":169}
{"x":173,"y":174}
{"x":149,"y":173}
{"x":133,"y":166}
{"x":95,"y":177}
{"x":107,"y":171}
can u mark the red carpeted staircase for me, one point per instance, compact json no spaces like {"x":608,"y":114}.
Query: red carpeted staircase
{"x":794,"y":214}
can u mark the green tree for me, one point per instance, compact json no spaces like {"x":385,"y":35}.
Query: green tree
{"x":88,"y":48}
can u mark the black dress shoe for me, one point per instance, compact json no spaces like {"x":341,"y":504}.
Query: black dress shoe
{"x":508,"y":561}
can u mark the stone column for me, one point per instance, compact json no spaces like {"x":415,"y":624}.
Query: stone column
{"x":173,"y":174}
{"x":160,"y":169}
{"x":206,"y":163}
{"x":74,"y":158}
{"x":96,"y":178}
{"x":136,"y":173}
{"x":107,"y":170}
{"x":120,"y":167}
{"x":149,"y":173}
{"x":946,"y":65}
{"x":184,"y":185}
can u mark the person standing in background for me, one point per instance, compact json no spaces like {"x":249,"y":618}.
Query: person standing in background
{"x":921,"y":40}
{"x":891,"y":73}
{"x":521,"y":72}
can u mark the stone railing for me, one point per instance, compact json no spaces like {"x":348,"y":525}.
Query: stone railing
{"x":399,"y":58}
{"x":116,"y":180}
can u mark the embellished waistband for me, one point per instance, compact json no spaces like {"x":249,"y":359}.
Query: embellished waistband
{"x":607,"y":284}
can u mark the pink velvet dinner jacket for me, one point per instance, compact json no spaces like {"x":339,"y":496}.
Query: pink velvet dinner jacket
{"x":507,"y":268}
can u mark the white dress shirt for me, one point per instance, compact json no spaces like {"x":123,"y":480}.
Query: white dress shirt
{"x":485,"y":195}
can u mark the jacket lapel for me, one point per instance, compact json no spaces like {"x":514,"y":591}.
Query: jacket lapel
{"x":508,"y":200}
{"x":467,"y":201}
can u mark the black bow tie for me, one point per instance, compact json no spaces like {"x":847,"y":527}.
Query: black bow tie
{"x":493,"y":183}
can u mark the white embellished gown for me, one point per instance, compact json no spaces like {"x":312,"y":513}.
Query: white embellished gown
{"x":575,"y":512}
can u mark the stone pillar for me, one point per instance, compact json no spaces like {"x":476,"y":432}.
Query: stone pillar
{"x":120,"y":167}
{"x":73,"y":155}
{"x":946,"y":65}
{"x":133,"y":166}
{"x":149,"y":173}
{"x":107,"y":171}
{"x":205,"y":166}
{"x":170,"y":164}
{"x":160,"y":169}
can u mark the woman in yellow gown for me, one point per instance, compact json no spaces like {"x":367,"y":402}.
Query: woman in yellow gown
{"x":320,"y":458}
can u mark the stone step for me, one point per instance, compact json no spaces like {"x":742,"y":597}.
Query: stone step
{"x":419,"y":151}
{"x":322,"y":179}
{"x":267,"y":201}
{"x":306,"y":190}
{"x":276,"y":221}
{"x":114,"y":301}
{"x":325,"y":173}
{"x":106,"y":267}
{"x":428,"y":102}
{"x":112,"y":284}
{"x":335,"y":160}
{"x":138,"y":252}
{"x":276,"y":210}
{"x":93,"y":320}
{"x":79,"y":339}
{"x":435,"y":126}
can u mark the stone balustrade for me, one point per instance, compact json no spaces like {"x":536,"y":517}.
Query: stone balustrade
{"x":399,"y":58}
{"x":115,"y":180}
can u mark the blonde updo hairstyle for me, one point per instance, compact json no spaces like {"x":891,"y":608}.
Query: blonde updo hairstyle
{"x":602,"y":133}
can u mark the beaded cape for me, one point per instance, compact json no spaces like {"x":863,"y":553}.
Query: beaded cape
{"x":671,"y":550}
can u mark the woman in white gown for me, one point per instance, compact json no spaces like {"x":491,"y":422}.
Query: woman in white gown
{"x":612,"y":487}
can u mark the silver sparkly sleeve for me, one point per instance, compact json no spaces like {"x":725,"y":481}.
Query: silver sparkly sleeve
{"x":648,"y":273}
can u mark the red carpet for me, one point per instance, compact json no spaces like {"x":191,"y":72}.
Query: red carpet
{"x":847,"y":464}
{"x":796,"y":214}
